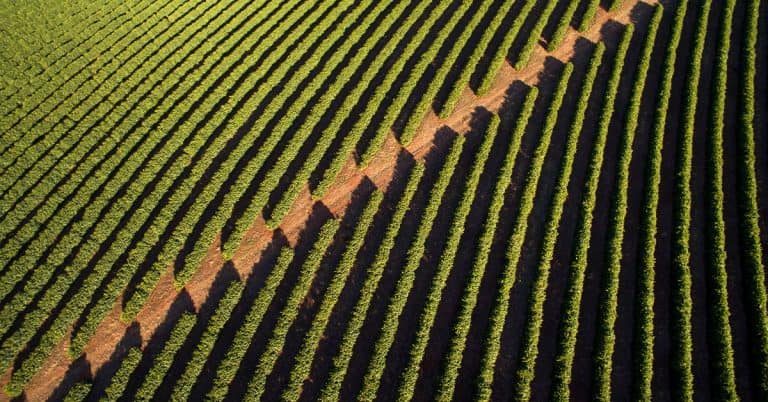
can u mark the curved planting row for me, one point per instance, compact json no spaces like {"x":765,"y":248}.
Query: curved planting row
{"x":752,"y":253}
{"x":569,"y":323}
{"x":720,"y":339}
{"x":682,"y":360}
{"x":396,"y":302}
{"x":606,"y":336}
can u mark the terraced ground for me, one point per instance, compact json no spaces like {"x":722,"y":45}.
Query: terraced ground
{"x":384,"y":200}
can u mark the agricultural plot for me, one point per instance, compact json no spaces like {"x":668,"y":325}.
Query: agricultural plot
{"x":384,"y":200}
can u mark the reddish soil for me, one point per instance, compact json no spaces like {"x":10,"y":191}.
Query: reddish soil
{"x":380,"y":171}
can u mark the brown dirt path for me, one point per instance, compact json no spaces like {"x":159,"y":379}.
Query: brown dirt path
{"x":58,"y":368}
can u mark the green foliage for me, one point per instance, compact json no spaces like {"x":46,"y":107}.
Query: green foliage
{"x":332,"y":387}
{"x":397,"y":300}
{"x":751,"y":251}
{"x":239,"y":344}
{"x":682,"y":360}
{"x":416,"y":116}
{"x":78,"y":393}
{"x":530,"y":349}
{"x":589,"y":15}
{"x":569,"y":324}
{"x":303,"y":360}
{"x":429,"y":313}
{"x":606,"y":336}
{"x":290,"y":311}
{"x":644,"y":331}
{"x":227,"y":303}
{"x":120,"y":379}
{"x":163,"y":361}
{"x":501,"y":52}
{"x":492,"y":342}
{"x":452,"y":362}
{"x":478,"y":51}
{"x":533,"y":38}
{"x":720,"y":339}
{"x":562,"y":26}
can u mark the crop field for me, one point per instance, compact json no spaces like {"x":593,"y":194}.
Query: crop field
{"x":384,"y":200}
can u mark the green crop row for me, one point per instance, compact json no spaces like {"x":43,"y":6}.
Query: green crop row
{"x":492,"y":342}
{"x":562,"y":26}
{"x":569,"y":324}
{"x":238,"y":345}
{"x":289,"y":196}
{"x":682,"y":351}
{"x":410,"y":374}
{"x":452,"y":362}
{"x":332,"y":387}
{"x":120,"y":379}
{"x":751,"y":251}
{"x":530,"y":349}
{"x":417,"y":114}
{"x":720,"y":339}
{"x":319,"y":108}
{"x":303,"y":360}
{"x":644,"y":331}
{"x":478,"y":51}
{"x":163,"y":361}
{"x":501,"y":52}
{"x":589,"y":15}
{"x":397,"y":300}
{"x":183,"y":386}
{"x":290,"y":311}
{"x":524,"y":56}
{"x":341,"y":154}
{"x":78,"y":393}
{"x":606,"y":336}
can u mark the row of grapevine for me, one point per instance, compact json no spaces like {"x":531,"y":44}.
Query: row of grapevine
{"x":682,"y":361}
{"x":290,"y":311}
{"x":752,"y":253}
{"x":119,"y":381}
{"x":721,"y":341}
{"x":530,"y":349}
{"x":646,"y":271}
{"x":609,"y":299}
{"x":445,"y":265}
{"x":492,"y":341}
{"x":569,"y":323}
{"x":341,"y":360}
{"x":302,"y":364}
{"x":397,"y":300}
{"x":452,"y":361}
